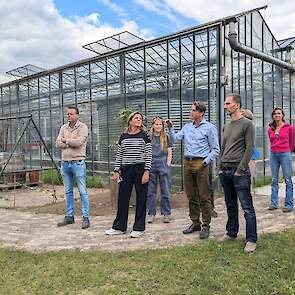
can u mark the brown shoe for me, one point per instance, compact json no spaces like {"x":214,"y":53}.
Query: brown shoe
{"x":193,"y":227}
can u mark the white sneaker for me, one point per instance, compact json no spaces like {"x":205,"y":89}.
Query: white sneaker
{"x":151,"y":218}
{"x":136,"y":234}
{"x":166,"y":219}
{"x":112,"y":232}
{"x":250,"y":247}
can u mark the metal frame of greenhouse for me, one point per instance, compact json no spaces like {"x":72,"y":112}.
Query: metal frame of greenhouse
{"x":161,"y":76}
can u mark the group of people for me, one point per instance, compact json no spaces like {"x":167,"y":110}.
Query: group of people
{"x":144,"y":159}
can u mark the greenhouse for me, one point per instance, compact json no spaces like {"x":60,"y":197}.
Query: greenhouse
{"x":157,"y":77}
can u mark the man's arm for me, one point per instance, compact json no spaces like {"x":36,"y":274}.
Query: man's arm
{"x":59,"y":143}
{"x":172,"y":135}
{"x":213,"y":144}
{"x":80,"y":139}
{"x":249,"y":142}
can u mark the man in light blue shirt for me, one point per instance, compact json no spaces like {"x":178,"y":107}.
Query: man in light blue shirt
{"x":201,"y":147}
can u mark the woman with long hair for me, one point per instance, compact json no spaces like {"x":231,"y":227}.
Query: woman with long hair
{"x":133,"y":163}
{"x":281,"y":138}
{"x":160,"y":171}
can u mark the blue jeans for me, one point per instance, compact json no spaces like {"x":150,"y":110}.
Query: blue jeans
{"x":69,"y":171}
{"x":285,"y":161}
{"x":159,"y":171}
{"x":239,"y":187}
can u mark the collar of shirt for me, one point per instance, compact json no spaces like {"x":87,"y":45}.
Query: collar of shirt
{"x":197,"y":125}
{"x":75,"y":126}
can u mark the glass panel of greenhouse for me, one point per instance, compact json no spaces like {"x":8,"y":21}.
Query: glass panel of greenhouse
{"x":158,"y":77}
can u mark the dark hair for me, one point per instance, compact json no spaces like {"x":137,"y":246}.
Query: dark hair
{"x":200,"y":106}
{"x":74,"y":108}
{"x":236,"y":98}
{"x":273,"y":123}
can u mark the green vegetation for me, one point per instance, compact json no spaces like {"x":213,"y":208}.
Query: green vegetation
{"x":208,"y":267}
{"x":94,"y":181}
{"x":262,"y":181}
{"x":53,"y":177}
{"x":123,"y":115}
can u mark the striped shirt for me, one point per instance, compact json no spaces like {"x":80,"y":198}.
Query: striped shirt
{"x":134,"y":149}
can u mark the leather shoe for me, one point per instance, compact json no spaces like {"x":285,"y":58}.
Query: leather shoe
{"x":67,"y":220}
{"x":85,"y":223}
{"x":204,"y":234}
{"x":193,"y":227}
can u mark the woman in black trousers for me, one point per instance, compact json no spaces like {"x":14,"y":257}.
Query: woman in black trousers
{"x":133,"y":163}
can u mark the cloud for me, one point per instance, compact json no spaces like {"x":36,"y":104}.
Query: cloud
{"x":280,"y":15}
{"x":120,"y":11}
{"x":34,"y":32}
{"x":162,"y":9}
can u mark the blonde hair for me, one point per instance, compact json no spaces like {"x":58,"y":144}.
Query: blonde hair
{"x":163,"y":134}
{"x":130,"y":117}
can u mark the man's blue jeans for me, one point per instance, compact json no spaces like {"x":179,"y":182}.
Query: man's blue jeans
{"x":285,"y":161}
{"x":238,"y":187}
{"x":69,"y":171}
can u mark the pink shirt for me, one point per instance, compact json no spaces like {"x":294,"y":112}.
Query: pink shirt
{"x":282,"y":142}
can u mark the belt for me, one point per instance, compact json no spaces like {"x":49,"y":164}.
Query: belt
{"x":193,"y":158}
{"x":227,"y":168}
{"x":74,"y":161}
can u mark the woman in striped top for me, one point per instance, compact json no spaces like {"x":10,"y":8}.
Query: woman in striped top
{"x":133,"y":163}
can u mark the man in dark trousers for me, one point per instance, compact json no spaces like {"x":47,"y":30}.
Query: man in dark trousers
{"x":236,"y":151}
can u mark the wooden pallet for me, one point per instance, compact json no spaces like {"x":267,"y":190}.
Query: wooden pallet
{"x":8,"y":186}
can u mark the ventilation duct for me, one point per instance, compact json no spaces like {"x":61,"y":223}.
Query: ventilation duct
{"x":237,"y":46}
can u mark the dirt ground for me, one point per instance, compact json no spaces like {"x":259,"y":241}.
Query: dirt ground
{"x":44,"y":200}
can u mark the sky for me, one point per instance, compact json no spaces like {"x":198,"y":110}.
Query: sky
{"x":50,"y":33}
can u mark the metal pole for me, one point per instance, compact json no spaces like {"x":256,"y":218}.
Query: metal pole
{"x":14,"y":148}
{"x":16,"y":117}
{"x":47,"y":150}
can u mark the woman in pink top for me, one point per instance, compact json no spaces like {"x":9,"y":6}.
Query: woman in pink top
{"x":281,"y":138}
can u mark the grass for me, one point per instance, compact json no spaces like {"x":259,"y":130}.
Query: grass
{"x":266,"y":180}
{"x":52,"y":177}
{"x":205,"y":268}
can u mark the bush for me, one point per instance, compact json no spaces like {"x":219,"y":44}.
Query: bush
{"x":53,"y":177}
{"x":262,"y":181}
{"x":94,"y":181}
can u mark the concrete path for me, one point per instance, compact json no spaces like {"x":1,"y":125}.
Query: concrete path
{"x":38,"y":232}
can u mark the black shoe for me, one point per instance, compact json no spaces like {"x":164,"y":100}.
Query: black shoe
{"x":214,"y":213}
{"x":85,"y":223}
{"x":67,"y":220}
{"x":193,"y":227}
{"x":204,"y":234}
